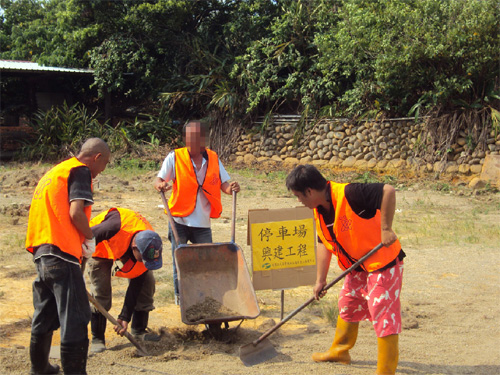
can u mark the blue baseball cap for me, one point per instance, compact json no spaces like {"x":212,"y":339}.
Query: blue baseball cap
{"x":150,"y":245}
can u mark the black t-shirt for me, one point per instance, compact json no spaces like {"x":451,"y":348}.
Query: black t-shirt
{"x":104,"y":231}
{"x":365,"y":200}
{"x":79,"y":187}
{"x":107,"y":228}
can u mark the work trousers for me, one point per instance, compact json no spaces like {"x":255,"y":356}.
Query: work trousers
{"x":192,"y":234}
{"x":60,"y":300}
{"x":99,"y":272}
{"x":374,"y":296}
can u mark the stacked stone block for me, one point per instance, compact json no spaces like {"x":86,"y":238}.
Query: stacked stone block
{"x":391,"y":143}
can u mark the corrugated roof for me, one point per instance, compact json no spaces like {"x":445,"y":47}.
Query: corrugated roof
{"x":28,"y":66}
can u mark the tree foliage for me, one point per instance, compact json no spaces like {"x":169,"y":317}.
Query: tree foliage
{"x":425,"y":52}
{"x":228,"y":58}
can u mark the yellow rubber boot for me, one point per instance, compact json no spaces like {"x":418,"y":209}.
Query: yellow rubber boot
{"x":388,"y":354}
{"x":345,"y":337}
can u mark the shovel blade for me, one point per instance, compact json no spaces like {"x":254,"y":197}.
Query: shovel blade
{"x":253,"y":354}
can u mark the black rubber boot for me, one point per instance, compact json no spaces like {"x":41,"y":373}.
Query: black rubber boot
{"x":74,"y":358}
{"x":98,"y":329}
{"x":39,"y":354}
{"x":140,"y":327}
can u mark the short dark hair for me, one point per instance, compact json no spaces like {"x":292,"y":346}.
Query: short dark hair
{"x":202,"y":124}
{"x":305,"y":177}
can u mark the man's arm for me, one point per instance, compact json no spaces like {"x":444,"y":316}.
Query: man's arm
{"x":229,"y":187}
{"x":226,"y":186}
{"x":166,"y":173}
{"x":323,"y":265}
{"x":109,"y":227}
{"x":387,"y":209}
{"x":79,"y":219}
{"x":131,"y":295}
{"x":161,"y":185}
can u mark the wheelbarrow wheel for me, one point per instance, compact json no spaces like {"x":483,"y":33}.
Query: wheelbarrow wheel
{"x":216,"y":330}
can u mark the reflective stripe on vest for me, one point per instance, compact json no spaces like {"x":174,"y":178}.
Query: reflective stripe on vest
{"x":185,"y":187}
{"x":115,"y":247}
{"x":49,"y":221}
{"x":353,"y":235}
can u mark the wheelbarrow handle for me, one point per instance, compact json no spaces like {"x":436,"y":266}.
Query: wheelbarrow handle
{"x":233,"y":219}
{"x":310,"y":300}
{"x":170,"y":218}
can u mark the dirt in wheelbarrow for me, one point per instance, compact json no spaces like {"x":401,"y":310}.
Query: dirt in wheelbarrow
{"x":450,"y":297}
{"x":209,"y":308}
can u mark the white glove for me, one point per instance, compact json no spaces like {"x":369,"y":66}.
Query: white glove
{"x":88,"y":247}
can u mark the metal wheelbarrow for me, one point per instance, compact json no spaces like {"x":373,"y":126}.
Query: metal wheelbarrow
{"x":214,"y":282}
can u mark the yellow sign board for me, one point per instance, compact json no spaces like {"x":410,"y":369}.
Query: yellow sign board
{"x":283,"y":244}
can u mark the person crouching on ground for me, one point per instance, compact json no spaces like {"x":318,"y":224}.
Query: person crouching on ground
{"x":126,"y":247}
{"x":351,"y":219}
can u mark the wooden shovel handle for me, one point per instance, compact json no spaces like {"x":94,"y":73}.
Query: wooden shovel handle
{"x":328,"y":286}
{"x":108,"y":316}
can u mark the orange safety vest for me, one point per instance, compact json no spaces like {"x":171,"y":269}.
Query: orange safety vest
{"x":115,"y":247}
{"x":185,"y":186}
{"x":353,"y":235}
{"x":49,"y":221}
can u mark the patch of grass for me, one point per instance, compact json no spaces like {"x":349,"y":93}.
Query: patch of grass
{"x":132,"y":164}
{"x":248,"y":191}
{"x":366,"y":177}
{"x":391,"y":180}
{"x":327,"y":308}
{"x":12,"y":242}
{"x":448,"y":222}
{"x":442,"y":186}
{"x":277,"y":176}
{"x":244,"y":172}
{"x":330,"y":309}
{"x":331,"y":314}
{"x":165,"y":295}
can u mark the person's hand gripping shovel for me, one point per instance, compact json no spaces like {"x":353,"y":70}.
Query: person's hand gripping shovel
{"x":140,"y":349}
{"x":262,"y":350}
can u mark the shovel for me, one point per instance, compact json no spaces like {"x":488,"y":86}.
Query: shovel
{"x":261,"y":350}
{"x":140,"y":349}
{"x":55,"y":350}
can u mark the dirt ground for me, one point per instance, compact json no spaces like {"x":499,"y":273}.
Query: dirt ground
{"x":450,"y":297}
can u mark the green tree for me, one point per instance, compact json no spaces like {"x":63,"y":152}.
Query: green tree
{"x":281,"y":69}
{"x":399,"y":53}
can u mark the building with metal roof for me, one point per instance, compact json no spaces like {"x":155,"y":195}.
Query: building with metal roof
{"x":10,"y":66}
{"x":28,"y":87}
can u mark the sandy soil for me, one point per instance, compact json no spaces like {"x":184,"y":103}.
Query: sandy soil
{"x":450,"y":297}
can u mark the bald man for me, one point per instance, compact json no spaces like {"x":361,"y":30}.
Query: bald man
{"x":59,"y":236}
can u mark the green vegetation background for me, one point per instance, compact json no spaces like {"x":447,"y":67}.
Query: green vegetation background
{"x":233,"y":60}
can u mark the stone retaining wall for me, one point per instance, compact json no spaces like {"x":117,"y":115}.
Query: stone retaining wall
{"x":379,"y":145}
